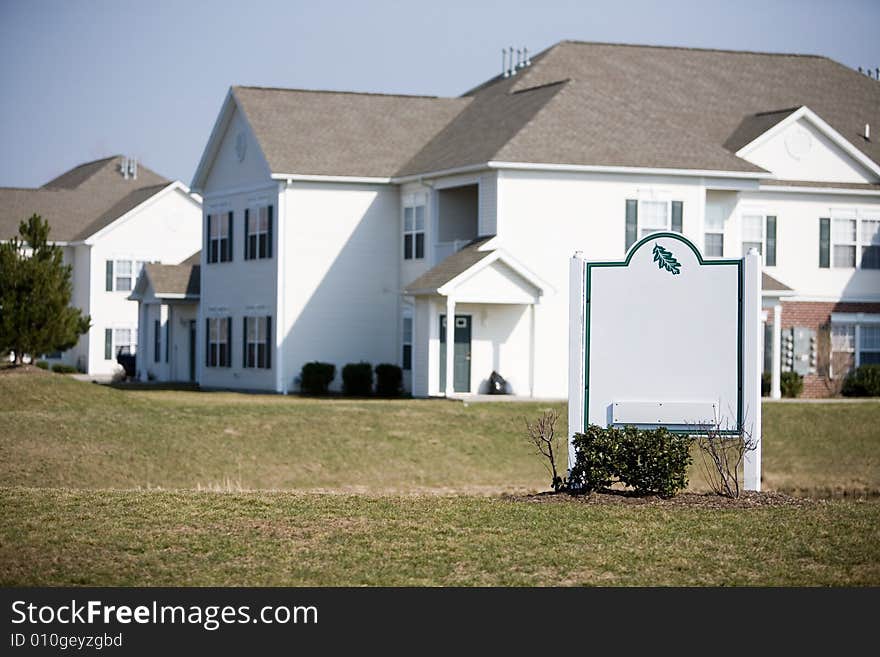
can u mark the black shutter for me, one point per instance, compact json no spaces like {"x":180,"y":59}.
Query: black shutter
{"x":167,"y":338}
{"x":108,"y":283}
{"x":247,"y":239}
{"x":632,"y":220}
{"x":676,"y":216}
{"x":208,"y":237}
{"x":207,"y":342}
{"x":229,"y":337}
{"x":156,"y":340}
{"x":108,"y":344}
{"x":229,"y":242}
{"x":244,"y":355}
{"x":825,"y":242}
{"x":268,"y":341}
{"x":270,"y":212}
{"x":770,"y":257}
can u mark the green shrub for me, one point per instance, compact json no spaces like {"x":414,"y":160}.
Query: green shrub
{"x":64,"y":369}
{"x":43,"y":365}
{"x":357,"y":379}
{"x":864,"y":381}
{"x":653,"y":461}
{"x":765,"y":384}
{"x":315,"y":377}
{"x":792,"y":384}
{"x":389,"y":380}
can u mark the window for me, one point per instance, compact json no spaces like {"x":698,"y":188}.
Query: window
{"x":122,"y":275}
{"x":219,"y":231}
{"x":218,"y":343}
{"x":869,"y":345}
{"x":759,"y":232}
{"x":644,"y":217}
{"x":406,"y":340}
{"x":413,"y":232}
{"x":854,"y":344}
{"x":119,"y":341}
{"x":854,"y":240}
{"x":843,"y":347}
{"x":714,"y":232}
{"x":157,"y":340}
{"x":258,"y":233}
{"x":257,"y":342}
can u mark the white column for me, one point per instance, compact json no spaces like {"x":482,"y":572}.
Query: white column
{"x":776,"y":365}
{"x":450,"y":345}
{"x":752,"y":357}
{"x":532,"y":350}
{"x":576,"y":309}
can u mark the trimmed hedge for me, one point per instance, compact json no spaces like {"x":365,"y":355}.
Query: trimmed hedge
{"x":315,"y":377}
{"x":864,"y":381}
{"x":792,"y":384}
{"x":357,"y":379}
{"x":650,"y":462}
{"x":64,"y":369}
{"x":43,"y":365}
{"x":389,"y":380}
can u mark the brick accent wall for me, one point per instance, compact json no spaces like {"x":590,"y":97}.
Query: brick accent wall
{"x":816,"y":315}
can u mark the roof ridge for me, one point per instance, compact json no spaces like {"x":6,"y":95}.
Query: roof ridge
{"x":101,"y":160}
{"x":691,"y":48}
{"x":333,"y":91}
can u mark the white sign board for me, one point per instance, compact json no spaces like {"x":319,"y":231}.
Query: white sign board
{"x":667,"y":338}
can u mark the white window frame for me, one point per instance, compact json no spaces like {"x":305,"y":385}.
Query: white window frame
{"x":216,"y":326}
{"x":117,"y":344}
{"x":754,"y":212}
{"x":258,"y":231}
{"x":860,"y":349}
{"x":858,"y":321}
{"x":413,"y":230}
{"x":641,"y":214}
{"x":714,"y":231}
{"x":135,"y":271}
{"x":220,"y":225}
{"x":255,"y":336}
{"x":859,"y":216}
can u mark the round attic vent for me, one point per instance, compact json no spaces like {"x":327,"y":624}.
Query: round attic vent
{"x":798,"y":142}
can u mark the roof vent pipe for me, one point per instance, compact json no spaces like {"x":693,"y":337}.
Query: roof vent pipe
{"x":512,"y":68}
{"x":868,"y":131}
{"x":125,"y":168}
{"x":528,"y":62}
{"x":504,"y":72}
{"x":519,"y":59}
{"x":133,"y":167}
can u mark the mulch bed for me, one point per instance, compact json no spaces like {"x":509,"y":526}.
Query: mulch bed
{"x":747,"y":500}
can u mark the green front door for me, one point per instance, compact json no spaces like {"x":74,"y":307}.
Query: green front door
{"x":461,"y":357}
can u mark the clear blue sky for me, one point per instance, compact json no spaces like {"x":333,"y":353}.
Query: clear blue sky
{"x":81,"y":80}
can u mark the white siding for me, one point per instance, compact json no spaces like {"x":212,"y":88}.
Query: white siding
{"x":488,"y":203}
{"x":227,"y":171}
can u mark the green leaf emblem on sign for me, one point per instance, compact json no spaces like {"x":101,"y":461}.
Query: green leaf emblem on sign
{"x":665,"y":260}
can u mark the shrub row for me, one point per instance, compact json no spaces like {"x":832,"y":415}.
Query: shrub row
{"x":64,"y":369}
{"x":651,"y":461}
{"x":864,"y":381}
{"x":791,"y":384}
{"x":357,"y":379}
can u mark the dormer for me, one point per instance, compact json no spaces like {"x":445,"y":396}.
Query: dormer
{"x":797,"y":144}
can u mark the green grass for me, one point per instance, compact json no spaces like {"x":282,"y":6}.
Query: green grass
{"x":191,"y":538}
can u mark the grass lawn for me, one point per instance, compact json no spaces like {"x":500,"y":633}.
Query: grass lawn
{"x":412,"y":496}
{"x":63,"y":537}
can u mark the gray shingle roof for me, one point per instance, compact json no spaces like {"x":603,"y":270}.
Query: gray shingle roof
{"x":81,"y":201}
{"x":341,"y":133}
{"x":449,"y":268}
{"x":175,"y":279}
{"x":771,"y":284}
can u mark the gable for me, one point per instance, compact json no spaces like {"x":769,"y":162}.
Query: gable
{"x":802,"y":149}
{"x":233,"y":157}
{"x":497,"y":283}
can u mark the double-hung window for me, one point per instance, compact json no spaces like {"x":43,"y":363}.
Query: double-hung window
{"x":713,"y":244}
{"x":414,"y":231}
{"x":219,"y":232}
{"x":218,"y":342}
{"x":869,"y":344}
{"x":406,"y":340}
{"x":119,"y":341}
{"x":121,"y":275}
{"x":257,"y":342}
{"x":759,"y":232}
{"x":855,"y":341}
{"x":850,"y":239}
{"x":647,"y":216}
{"x":258,"y":233}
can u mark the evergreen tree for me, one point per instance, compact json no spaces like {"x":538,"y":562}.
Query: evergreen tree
{"x":35,"y":289}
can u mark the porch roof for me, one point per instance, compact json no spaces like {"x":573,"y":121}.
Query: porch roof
{"x":169,"y":281}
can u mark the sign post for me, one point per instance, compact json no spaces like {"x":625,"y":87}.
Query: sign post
{"x":667,"y":338}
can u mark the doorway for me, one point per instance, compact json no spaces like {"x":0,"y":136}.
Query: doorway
{"x":461,"y":357}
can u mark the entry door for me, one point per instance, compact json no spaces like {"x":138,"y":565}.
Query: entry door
{"x":461,"y":357}
{"x":192,"y":350}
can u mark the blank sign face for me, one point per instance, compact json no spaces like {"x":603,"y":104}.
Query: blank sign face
{"x":664,"y":329}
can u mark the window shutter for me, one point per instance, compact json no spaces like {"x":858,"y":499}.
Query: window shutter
{"x":825,"y":242}
{"x":269,"y":339}
{"x":676,"y":216}
{"x":269,"y":234}
{"x":156,"y":340}
{"x":108,"y":344}
{"x":228,"y":362}
{"x":108,"y":283}
{"x":246,"y":240}
{"x":244,"y":348}
{"x":207,"y":342}
{"x":632,"y":219}
{"x":208,"y":237}
{"x":229,"y":247}
{"x":770,"y":258}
